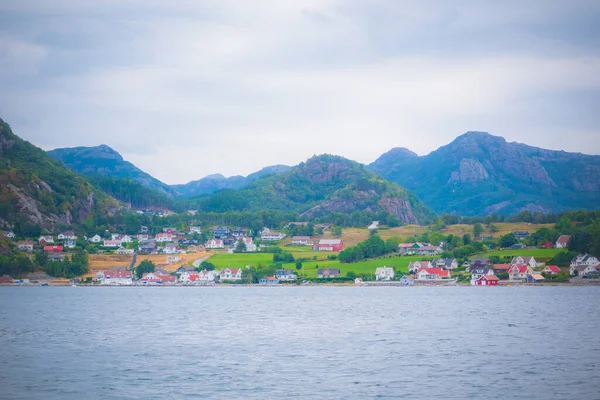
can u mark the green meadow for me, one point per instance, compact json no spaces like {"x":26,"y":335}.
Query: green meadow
{"x":541,"y":253}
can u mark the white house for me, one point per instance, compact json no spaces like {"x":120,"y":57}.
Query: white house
{"x":170,"y":248}
{"x":584,"y":264}
{"x":414,"y":266}
{"x":70,"y":244}
{"x":301,"y":240}
{"x":432,"y":274}
{"x":195,"y":229}
{"x":384,"y":273}
{"x":96,"y":239}
{"x":126,"y":239}
{"x":231,"y":274}
{"x":112,"y":243}
{"x":164,"y":237}
{"x":527,"y":260}
{"x":122,"y":250}
{"x":562,"y":242}
{"x":46,"y":239}
{"x":9,"y":234}
{"x":429,"y":250}
{"x":407,"y":280}
{"x":272,"y":236}
{"x":208,"y":276}
{"x":66,"y":235}
{"x":189,"y":276}
{"x":25,"y":245}
{"x":479,"y":272}
{"x":519,"y":272}
{"x":446,"y":263}
{"x":115,"y":277}
{"x":250,"y":246}
{"x":374,"y":225}
{"x":285,"y":275}
{"x":214,"y":244}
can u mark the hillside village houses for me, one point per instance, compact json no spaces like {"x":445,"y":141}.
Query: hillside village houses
{"x":528,"y":260}
{"x":230,"y":274}
{"x":384,"y":273}
{"x":195,"y":229}
{"x":486,"y":280}
{"x":285,"y":275}
{"x":422,"y":249}
{"x":9,"y":234}
{"x":250,"y":245}
{"x":328,"y":273}
{"x":164,"y":237}
{"x":519,"y":272}
{"x":445,"y":263}
{"x":479,"y":272}
{"x":112,"y":243}
{"x":415,"y":266}
{"x":46,"y":239}
{"x":123,"y":251}
{"x":70,"y":244}
{"x":268,"y":280}
{"x":551,"y":269}
{"x":432,"y":274}
{"x":115,"y":277}
{"x":96,"y":239}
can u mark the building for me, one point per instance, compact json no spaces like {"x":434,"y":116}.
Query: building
{"x":150,"y":278}
{"x":9,"y":234}
{"x":584,"y":265}
{"x":384,"y":273}
{"x":208,"y":276}
{"x":358,"y":281}
{"x":272,"y":236}
{"x":407,"y":280}
{"x":527,"y":260}
{"x":230,"y":274}
{"x":520,"y":235}
{"x":164,"y":237}
{"x":479,"y":272}
{"x":479,"y":262}
{"x":53,"y":249}
{"x":220,"y":232}
{"x":45,"y":240}
{"x":6,"y":280}
{"x":25,"y":245}
{"x":404,"y":248}
{"x":445,"y":263}
{"x":414,"y":266}
{"x":124,"y":251}
{"x":239,"y":232}
{"x":115,"y":277}
{"x":374,"y":225}
{"x":328,"y":273}
{"x":147,"y":247}
{"x":429,"y":250}
{"x":67,"y":235}
{"x":189,"y":277}
{"x":143,"y":237}
{"x":519,"y":272}
{"x":502,"y":268}
{"x":432,"y":274}
{"x":301,"y":240}
{"x":487,"y":280}
{"x":285,"y":275}
{"x":250,"y":246}
{"x":535,"y":278}
{"x":170,"y":248}
{"x":329,"y":245}
{"x":563,"y":241}
{"x":268,"y":280}
{"x":112,"y":243}
{"x":96,"y":238}
{"x":551,"y":269}
{"x":70,"y":244}
{"x":214,"y":244}
{"x":170,"y":231}
{"x":195,"y":229}
{"x":143,"y":229}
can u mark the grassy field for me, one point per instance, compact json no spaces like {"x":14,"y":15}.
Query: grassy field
{"x":111,"y":261}
{"x":537,"y":253}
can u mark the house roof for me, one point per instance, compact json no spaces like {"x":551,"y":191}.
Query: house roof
{"x":300,"y":238}
{"x":502,"y":267}
{"x":405,"y":245}
{"x":553,"y":268}
{"x":53,"y":248}
{"x":330,"y":241}
{"x":117,"y":273}
{"x":526,"y":259}
{"x":564,"y":239}
{"x":490,"y":278}
{"x":27,"y":242}
{"x":434,"y":271}
{"x":330,"y":271}
{"x":521,"y":268}
{"x":537,"y":277}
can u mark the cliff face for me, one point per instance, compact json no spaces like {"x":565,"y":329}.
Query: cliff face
{"x":479,"y":173}
{"x":37,"y":189}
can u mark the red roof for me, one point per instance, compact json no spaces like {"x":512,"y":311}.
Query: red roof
{"x":547,"y":245}
{"x":502,"y":267}
{"x":435,"y":271}
{"x":53,"y":248}
{"x":490,"y":278}
{"x":563,"y":239}
{"x":522,"y":268}
{"x":553,"y":268}
{"x":117,"y":273}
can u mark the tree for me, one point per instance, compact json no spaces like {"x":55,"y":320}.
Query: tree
{"x":240,"y":246}
{"x":144,"y":267}
{"x":351,"y":274}
{"x":466,"y":239}
{"x":298,"y":265}
{"x":477,"y":230}
{"x":207,"y":266}
{"x":336,"y":230}
{"x":507,"y":240}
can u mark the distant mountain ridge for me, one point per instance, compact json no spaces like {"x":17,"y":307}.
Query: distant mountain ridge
{"x":103,"y":160}
{"x":213,"y":183}
{"x":479,"y":173}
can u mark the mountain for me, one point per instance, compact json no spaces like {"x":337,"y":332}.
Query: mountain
{"x":103,"y":160}
{"x":213,"y":183}
{"x":323,"y":184}
{"x":478,"y":174}
{"x":37,"y":189}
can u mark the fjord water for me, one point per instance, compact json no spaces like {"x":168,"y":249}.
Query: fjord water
{"x":300,"y":342}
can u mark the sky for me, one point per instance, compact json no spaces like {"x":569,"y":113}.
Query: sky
{"x":203,"y":87}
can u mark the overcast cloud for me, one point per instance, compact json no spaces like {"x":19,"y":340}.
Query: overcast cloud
{"x":202,"y":87}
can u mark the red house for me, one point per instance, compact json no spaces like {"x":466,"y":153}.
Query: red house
{"x":551,"y":269}
{"x":547,"y":245}
{"x":54,"y":249}
{"x":329,"y":245}
{"x":487,"y":280}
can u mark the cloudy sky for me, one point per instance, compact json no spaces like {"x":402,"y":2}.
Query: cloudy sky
{"x":202,"y":87}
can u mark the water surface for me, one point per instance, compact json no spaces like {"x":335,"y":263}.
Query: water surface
{"x":300,"y":342}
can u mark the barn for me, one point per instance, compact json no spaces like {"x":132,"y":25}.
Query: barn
{"x":329,"y":245}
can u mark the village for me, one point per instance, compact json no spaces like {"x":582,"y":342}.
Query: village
{"x":184,"y":253}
